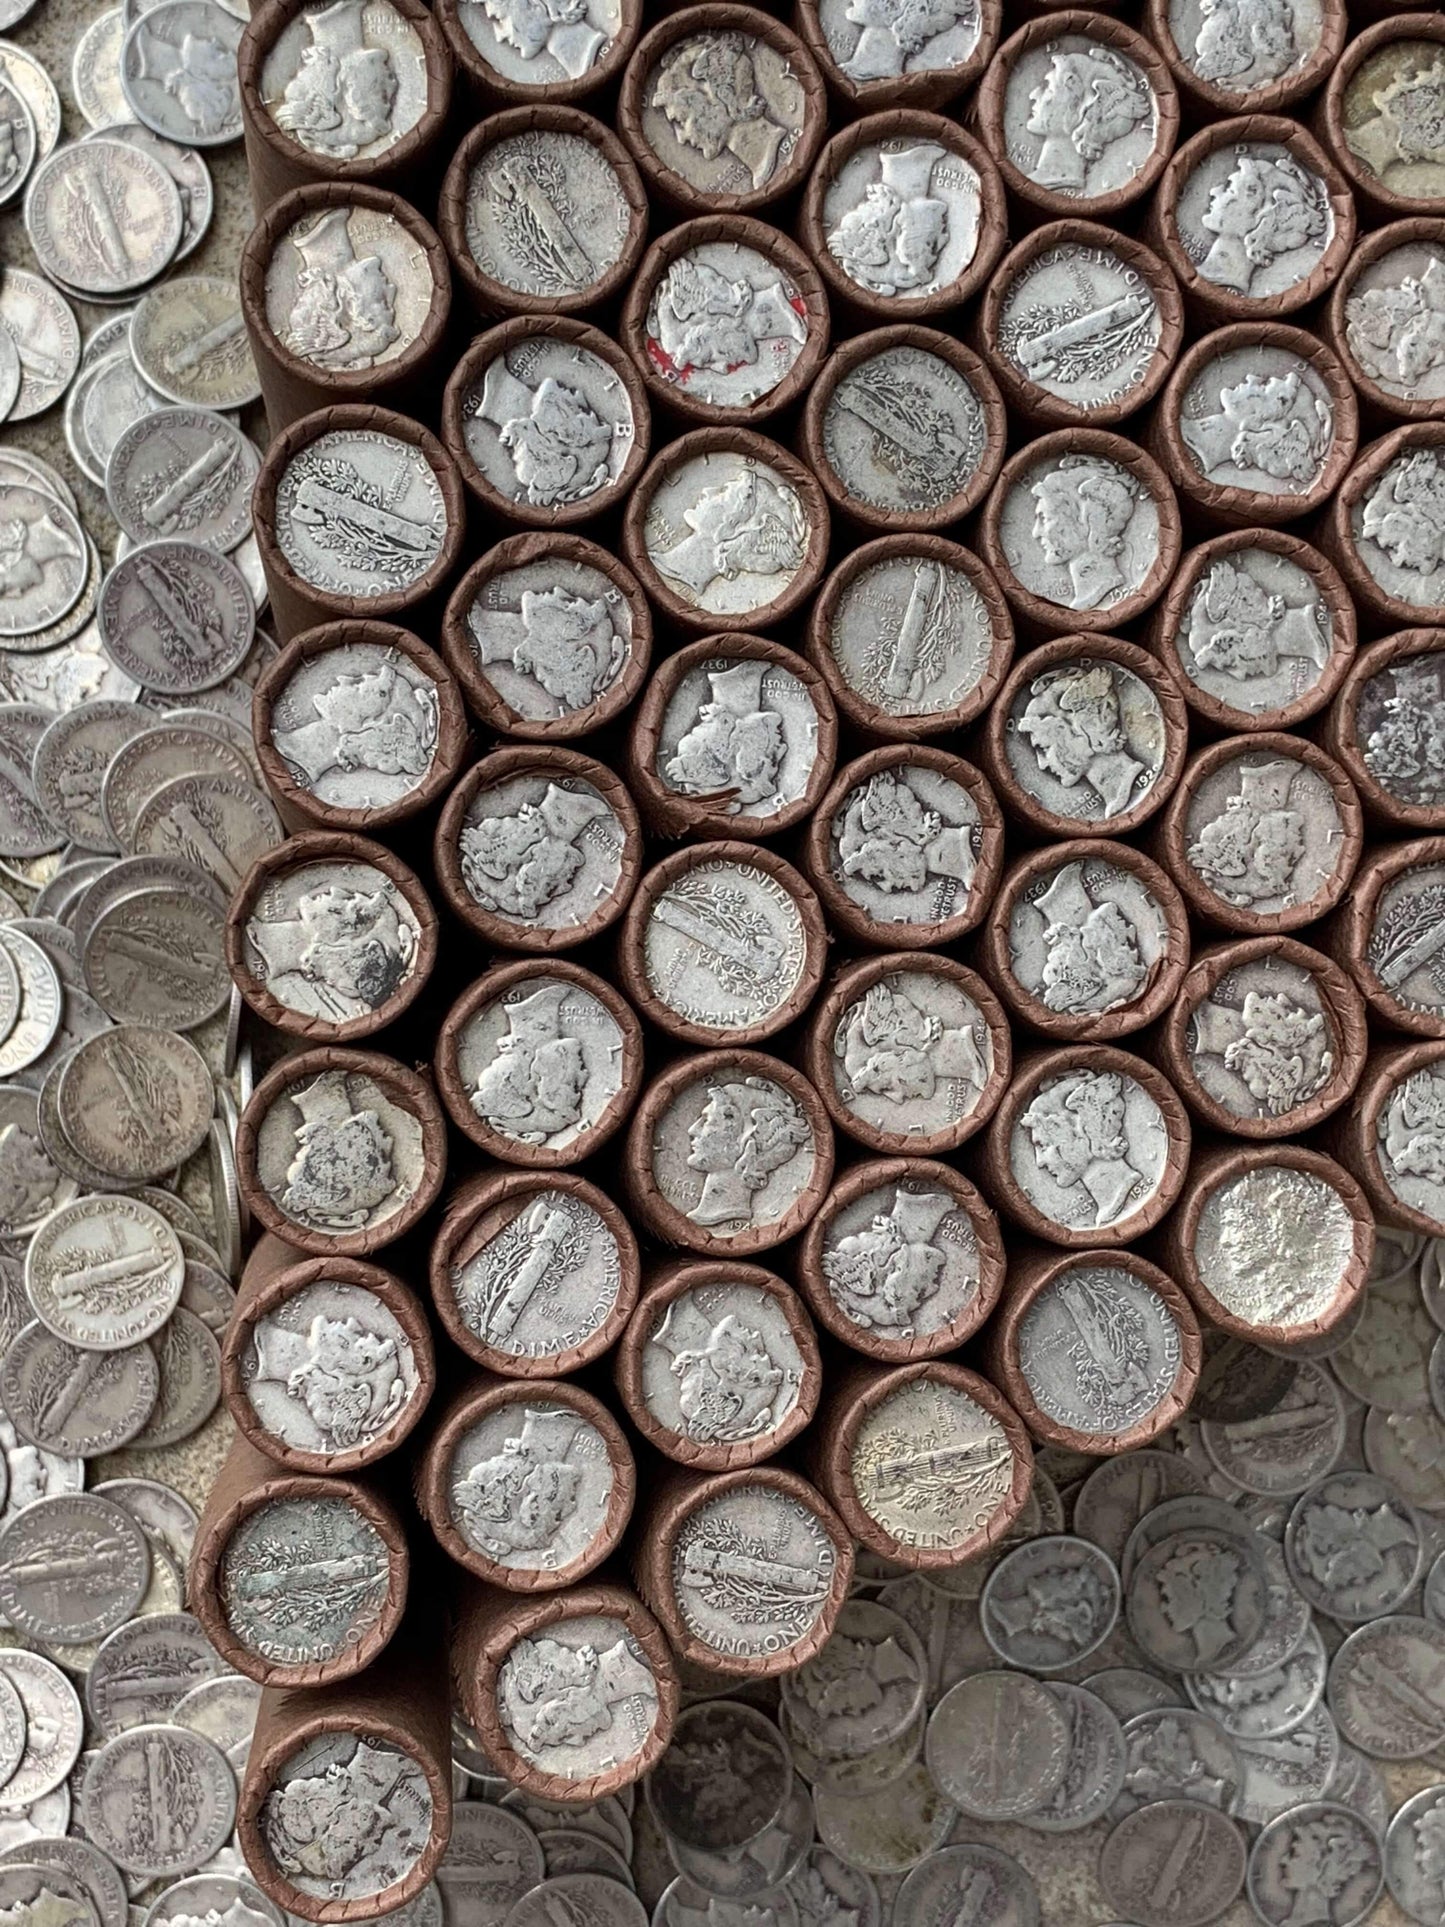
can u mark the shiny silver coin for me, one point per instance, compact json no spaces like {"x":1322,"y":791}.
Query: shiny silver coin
{"x":46,"y":560}
{"x":178,"y":71}
{"x":159,"y":755}
{"x":158,"y":957}
{"x":97,"y":1877}
{"x":95,"y":70}
{"x":40,"y":1003}
{"x":33,"y":1895}
{"x":19,"y":146}
{"x":21,"y":71}
{"x":104,"y":1273}
{"x":360,"y":513}
{"x":133,"y":225}
{"x":31,"y":1185}
{"x":54,"y":1726}
{"x":176,"y":617}
{"x":189,"y":342}
{"x":193,"y":182}
{"x":108,"y":396}
{"x":183,"y":472}
{"x":138,"y":1101}
{"x":71,"y":759}
{"x":304,"y":1580}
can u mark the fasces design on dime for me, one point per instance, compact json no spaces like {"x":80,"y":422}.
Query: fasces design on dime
{"x":1099,"y":1348}
{"x":546,"y":214}
{"x":904,"y":431}
{"x":752,"y":1571}
{"x":303,"y":1580}
{"x":360,"y":513}
{"x":932,"y":1466}
{"x":912,"y":636}
{"x":1081,"y":324}
{"x":539,"y":1283}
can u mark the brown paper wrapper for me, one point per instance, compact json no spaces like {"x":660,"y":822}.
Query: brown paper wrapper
{"x":928,"y":88}
{"x":664,"y":1288}
{"x":489,"y":89}
{"x":474,"y":1215}
{"x":1036,"y":1068}
{"x":856,"y":1183}
{"x":248,"y":1481}
{"x":1377,"y":202}
{"x":1031,"y":1271}
{"x":276,"y":1272}
{"x":1160,"y":988}
{"x":1340,"y":733}
{"x":493,"y":300}
{"x":1353,"y":1136}
{"x":479,"y":1400}
{"x":1349,"y":933}
{"x":1377,"y":608}
{"x":489,"y":1623}
{"x":1348,"y":1043}
{"x":400,"y":1701}
{"x":1205,"y":99}
{"x":674,"y":1498}
{"x":673,"y":813}
{"x":855,"y":1393}
{"x":408,"y":1090}
{"x":489,"y":989}
{"x":1378,"y":407}
{"x":1168,"y":619}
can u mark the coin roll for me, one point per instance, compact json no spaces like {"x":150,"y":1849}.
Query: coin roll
{"x":747,"y":1571}
{"x":528,"y":1484}
{"x":1378,"y":724}
{"x":878,"y":65}
{"x":321,"y":1753}
{"x":1357,"y":131}
{"x":1097,"y":1351}
{"x":1376,"y":530}
{"x":298,"y":1580}
{"x":1385,"y":266}
{"x":299,"y":1378}
{"x":1222,"y":1043}
{"x":719,"y":1364}
{"x":313,"y":752}
{"x":927,"y":1464}
{"x":318,"y":145}
{"x":1271,"y":1242}
{"x":577,"y":57}
{"x":341,"y":1151}
{"x":539,"y":1062}
{"x":904,"y":1260}
{"x":337,"y":892}
{"x":315,"y":237}
{"x":1384,"y":934}
{"x":1256,"y":89}
{"x":1257,"y":629}
{"x":585,"y":263}
{"x":506,"y":1232}
{"x":507,"y":1652}
{"x":1389,"y":1139}
{"x":690,"y":761}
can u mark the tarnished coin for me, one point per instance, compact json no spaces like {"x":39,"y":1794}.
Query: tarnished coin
{"x":913,"y":636}
{"x":1049,"y":1603}
{"x":1280,"y":1773}
{"x":348,"y":289}
{"x":138,"y":1101}
{"x":1254,"y":219}
{"x":1413,"y":1870}
{"x":1099,"y":1349}
{"x":46,"y":562}
{"x":1387,"y":1687}
{"x":722,"y":110}
{"x":902,"y":217}
{"x":1390,"y":321}
{"x":33,"y":1895}
{"x":1071,"y":558}
{"x":106,"y":398}
{"x":346,"y":86}
{"x":752,"y":1571}
{"x":1263,"y":832}
{"x":497,"y":1272}
{"x":1197,"y":1600}
{"x":1095,"y":1770}
{"x":549,"y":423}
{"x":96,"y":1876}
{"x":530,"y":1486}
{"x":1256,"y":632}
{"x":725,"y":324}
{"x":551,"y":637}
{"x":357,"y":726}
{"x":144,"y":1667}
{"x":26,"y":76}
{"x":580,"y":1699}
{"x":53,"y":1728}
{"x":189,"y":1361}
{"x":30,"y":1472}
{"x":147,"y":1837}
{"x":192,"y":177}
{"x":546,"y":212}
{"x":492,"y":1860}
{"x":863,"y":1690}
{"x":541,"y":1063}
{"x":541,"y":854}
{"x":112,"y":255}
{"x":360,"y":513}
{"x":1118,"y":1493}
{"x":1091,"y":1148}
{"x":591,"y":1897}
{"x":1088,"y":937}
{"x":334,"y":939}
{"x":726,"y":532}
{"x":95,"y":70}
{"x":1353,"y":1546}
{"x":1387,"y":115}
{"x":31,"y":1185}
{"x":10,"y":370}
{"x":185,"y":473}
{"x":157,"y":958}
{"x":1265,"y":1706}
{"x":1283,"y":1451}
{"x":73,"y":1567}
{"x":904,"y":431}
{"x":723,"y":1780}
{"x":189,"y":339}
{"x":21,"y":145}
{"x":1264,"y":1041}
{"x":176,"y":616}
{"x":40,"y":1002}
{"x":913,"y":1054}
{"x":104,"y":1273}
{"x":235,"y":1901}
{"x":959,"y":1880}
{"x":1130,"y":1691}
{"x":304,"y":1581}
{"x":902,"y":1260}
{"x":1086,"y":739}
{"x":218,"y":825}
{"x":1396,"y":711}
{"x":329,"y":1369}
{"x":757,"y":1868}
{"x":339,"y":1153}
{"x":998,"y":1745}
{"x":129,"y":875}
{"x":1319,"y":1848}
{"x":725,"y":946}
{"x":155,"y":756}
{"x":178,"y":71}
{"x":1173,"y":1863}
{"x":70,"y":763}
{"x":1176,"y":1754}
{"x":1081,"y":324}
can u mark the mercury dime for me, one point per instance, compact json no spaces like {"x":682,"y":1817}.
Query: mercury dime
{"x":722,"y":1365}
{"x":1410,"y":1141}
{"x":104,"y":1273}
{"x":724,"y":111}
{"x":332,"y":940}
{"x":357,"y":726}
{"x":725,"y":324}
{"x":1094,"y":1772}
{"x":752,"y":1571}
{"x":1263,"y":832}
{"x":1264,"y":1042}
{"x":305,"y":1581}
{"x":931,"y":1466}
{"x":1086,"y":739}
{"x":1264,"y":1706}
{"x":144,"y":1667}
{"x":339,"y":1154}
{"x":212,"y":823}
{"x":893,"y":41}
{"x":1076,"y":559}
{"x":542,"y":1063}
{"x":1173,"y":1863}
{"x":24,"y":75}
{"x":734,"y":1155}
{"x":1239,"y":51}
{"x":1387,"y":1687}
{"x":862,"y":1690}
{"x":346,"y":86}
{"x":1414,"y":1871}
{"x":150,"y":1837}
{"x":126,"y":877}
{"x":21,"y":146}
{"x":904,"y":431}
{"x":1391,"y":325}
{"x":1080,"y":118}
{"x":1081,"y":324}
{"x":188,"y":338}
{"x":178,"y":71}
{"x":95,"y":70}
{"x":222,"y":1710}
{"x":549,"y":423}
{"x":234,"y":1902}
{"x":158,"y":958}
{"x":492,"y":1860}
{"x":1353,"y":1546}
{"x":902,"y":1260}
{"x":329,"y":1369}
{"x":1254,"y":219}
{"x":31,"y":1185}
{"x":1090,"y":1149}
{"x":913,"y":1054}
{"x":70,"y":763}
{"x":348,"y":289}
{"x":888,"y":1832}
{"x":44,"y":562}
{"x":1049,"y":1603}
{"x":186,"y":473}
{"x":91,"y":1871}
{"x":192,"y":177}
{"x":757,"y":1868}
{"x":1176,"y":1754}
{"x":40,"y":1002}
{"x":913,"y":636}
{"x":1398,"y":712}
{"x":727,"y":534}
{"x":138,"y":1101}
{"x":1274,"y":1245}
{"x":32,"y":1471}
{"x":579,"y":1698}
{"x":1285,"y":1450}
{"x":176,"y":616}
{"x":1389,"y":117}
{"x":998,"y":1745}
{"x":536,"y":1279}
{"x":1260,"y":419}
{"x":31,"y":1895}
{"x":1197,"y":1600}
{"x":42,"y":1819}
{"x":531,"y":1486}
{"x":107,"y":396}
{"x":53,"y":1727}
{"x":46,"y":335}
{"x":743,"y":734}
{"x":591,"y":1897}
{"x":132,"y":224}
{"x":1319,"y":1849}
{"x":902,"y":217}
{"x":72,"y":1567}
{"x":552,"y":637}
{"x":1099,"y":1349}
{"x":1088,"y":937}
{"x":360,"y":513}
{"x":725,"y":946}
{"x":540,"y":854}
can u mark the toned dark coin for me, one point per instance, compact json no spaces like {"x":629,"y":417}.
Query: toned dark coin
{"x":73,"y":1567}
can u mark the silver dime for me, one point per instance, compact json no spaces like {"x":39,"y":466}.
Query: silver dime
{"x":551,"y":637}
{"x":1185,"y":1513}
{"x":158,"y":958}
{"x":902,"y":1260}
{"x":1130,"y":1691}
{"x":722,"y":1365}
{"x":41,"y":1819}
{"x":1413,"y":1870}
{"x":1176,"y":1754}
{"x":725,"y":946}
{"x":1094,"y":1772}
{"x":192,"y":177}
{"x":178,"y":71}
{"x":1254,"y":219}
{"x":863,"y":1690}
{"x":132,"y":227}
{"x":1050,"y":1603}
{"x":913,"y":636}
{"x":346,"y":86}
{"x":360,"y":513}
{"x":86,"y":1866}
{"x":1283,"y":1451}
{"x":348,"y":289}
{"x":1255,"y":633}
{"x":189,"y":1361}
{"x":579,"y":1698}
{"x":727,"y":534}
{"x":892,"y":41}
{"x":549,"y":423}
{"x":931,"y":1466}
{"x":138,"y":1101}
{"x":183,"y":472}
{"x":331,"y":940}
{"x":546,"y":213}
{"x":1397,"y":710}
{"x":1264,"y":1043}
{"x":339,"y":1154}
{"x":71,"y":1402}
{"x":1081,"y":324}
{"x":1274,"y":1245}
{"x":591,"y":1897}
{"x":330,"y":1369}
{"x":1397,"y":79}
{"x":913,"y":1054}
{"x":741,"y":733}
{"x":569,"y":1850}
{"x":1390,"y":324}
{"x":157,"y":755}
{"x":1073,"y":560}
{"x":72,"y":1567}
{"x":725,"y":324}
{"x":125,"y":878}
{"x":757,"y":1868}
{"x":1088,"y":937}
{"x":492,"y":1860}
{"x":752,"y":1571}
{"x":998,"y":1745}
{"x":542,"y":1063}
{"x":724,"y":111}
{"x":902,"y":217}
{"x":1240,"y":52}
{"x":1099,"y":1349}
{"x":1086,"y":739}
{"x":303,"y":1581}
{"x":357,"y":726}
{"x":539,"y":854}
{"x":1263,"y":832}
{"x":35,"y":1894}
{"x":176,"y":616}
{"x":990,"y":1884}
{"x":19,"y":146}
{"x":24,"y":74}
{"x":70,"y":764}
{"x":40,"y":1002}
{"x":703,"y":1160}
{"x":106,"y":398}
{"x":1118,"y":1493}
{"x":167,"y":1519}
{"x":1387,"y":1687}
{"x":1268,"y":1705}
{"x":888,"y":1832}
{"x":10,"y":372}
{"x":189,"y":340}
{"x":1197,"y":1600}
{"x":31,"y":1185}
{"x":229,"y":1900}
{"x":904,"y":431}
{"x":1091,"y":1148}
{"x":53,"y":1726}
{"x":1080,"y":118}
{"x":551,"y":1239}
{"x":152,"y":1837}
{"x":213,"y":823}
{"x":1353,"y":1546}
{"x":1259,"y":419}
{"x":530,"y":1486}
{"x":144,"y":1668}
{"x":1173,"y":1863}
{"x":95,"y":70}
{"x":44,"y":563}
{"x":1321,"y":1855}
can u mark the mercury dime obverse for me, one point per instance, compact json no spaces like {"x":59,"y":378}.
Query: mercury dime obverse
{"x":1099,"y":1349}
{"x":1087,"y":938}
{"x":237,"y":1902}
{"x":1264,"y":1707}
{"x":1353,"y":1546}
{"x":741,"y":733}
{"x":724,"y":111}
{"x":1174,"y":1753}
{"x":334,"y":940}
{"x":1389,"y":113}
{"x":1086,"y":739}
{"x":1263,"y":832}
{"x":1080,"y":118}
{"x":531,"y":51}
{"x":1091,"y":1148}
{"x":305,"y":1819}
{"x":346,"y":85}
{"x":1399,"y":712}
{"x":727,"y":534}
{"x":176,"y":616}
{"x":1197,"y":1600}
{"x":338,"y":1154}
{"x":1320,"y":1848}
{"x":530,"y":1486}
{"x":348,"y":289}
{"x":892,"y":42}
{"x":733,"y":1156}
{"x":903,"y":845}
{"x":43,"y":326}
{"x":550,"y":637}
{"x":45,"y":559}
{"x":722,"y":1365}
{"x":998,"y":1745}
{"x":902,"y":217}
{"x":70,"y":762}
{"x":1392,"y":325}
{"x":904,"y":431}
{"x":725,"y":946}
{"x":104,"y":256}
{"x":901,"y":1261}
{"x":539,"y":854}
{"x":304,"y":1581}
{"x":1274,"y":1245}
{"x":1173,"y":1863}
{"x":1239,"y":51}
{"x":1078,"y":560}
{"x":1263,"y":1043}
{"x":541,"y":1063}
{"x":1254,"y":219}
{"x":104,"y":1273}
{"x":32,"y":1895}
{"x":536,"y":1278}
{"x":1260,"y":419}
{"x":357,"y":726}
{"x":360,"y":513}
{"x":549,"y":424}
{"x":579,"y":1698}
{"x":725,"y":324}
{"x":178,"y":71}
{"x":1256,"y":633}
{"x":863,"y":1689}
{"x":931,"y":1466}
{"x":1081,"y":324}
{"x":31,"y":1184}
{"x":74,"y":1568}
{"x":1413,"y":1869}
{"x":546,"y":212}
{"x":913,"y":1055}
{"x":85,"y":1866}
{"x":1410,"y":1141}
{"x":53,"y":1728}
{"x":183,"y":472}
{"x":1049,"y":1603}
{"x":913,"y":637}
{"x":752,"y":1572}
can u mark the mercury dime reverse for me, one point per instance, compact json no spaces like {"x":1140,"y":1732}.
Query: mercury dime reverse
{"x":104,"y":1273}
{"x":752,"y":1571}
{"x":1081,"y":324}
{"x":304,"y":1581}
{"x":539,"y":1279}
{"x":931,"y":1466}
{"x":904,"y":431}
{"x":360,"y":513}
{"x":1099,"y":1348}
{"x":913,"y":637}
{"x":724,"y":946}
{"x":546,"y":213}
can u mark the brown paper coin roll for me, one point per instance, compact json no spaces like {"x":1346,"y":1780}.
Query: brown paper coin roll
{"x":1048,"y":362}
{"x":1218,"y":402}
{"x":1110,"y":516}
{"x":1259,"y":87}
{"x":904,"y":1259}
{"x":342,"y":893}
{"x":715,"y":364}
{"x":746,"y":1570}
{"x":551,"y":58}
{"x":320,"y":1754}
{"x":1374,"y":315}
{"x":1373,"y":142}
{"x":927,"y":1464}
{"x":753,"y":503}
{"x":538,"y":1062}
{"x":1312,"y":197}
{"x":1389,"y":932}
{"x":341,"y":1151}
{"x":295,"y":134}
{"x":890,"y":454}
{"x":729,"y":1153}
{"x":906,"y":848}
{"x":507,"y":1235}
{"x":1266,"y":1038}
{"x":413,"y":540}
{"x":313,"y":751}
{"x":735,"y":736}
{"x":592,"y":839}
{"x":723,"y":110}
{"x":568,"y":491}
{"x":884,"y":280}
{"x":1263,"y":833}
{"x":867,"y":628}
{"x":1392,"y":1137}
{"x":500,"y":1657}
{"x":297,"y":1580}
{"x":1383,"y":725}
{"x":898,"y":62}
{"x":297,"y":1376}
{"x":549,"y":635}
{"x":672,"y":1380}
{"x":1090,"y":1146}
{"x":1256,"y":628}
{"x":1089,"y":1337}
{"x":528,"y":1485}
{"x":1087,"y":738}
{"x":575,"y":267}
{"x":1045,"y":949}
{"x":1072,"y":56}
{"x":1272,"y":1242}
{"x":910,"y":1052}
{"x":307,"y":359}
{"x":1379,"y":529}
{"x":694,"y":973}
